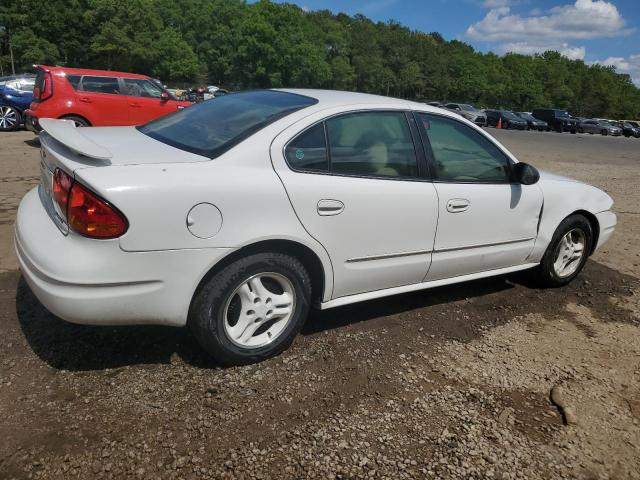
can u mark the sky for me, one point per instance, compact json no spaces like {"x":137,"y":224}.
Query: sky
{"x":596,"y":31}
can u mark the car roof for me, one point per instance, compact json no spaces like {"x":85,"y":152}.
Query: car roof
{"x":87,"y":71}
{"x":337,"y":98}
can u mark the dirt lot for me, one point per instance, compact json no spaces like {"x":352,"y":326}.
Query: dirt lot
{"x":449,"y":383}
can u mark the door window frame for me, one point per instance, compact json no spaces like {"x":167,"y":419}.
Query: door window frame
{"x":418,"y":148}
{"x":82,"y":90}
{"x":430,"y":158}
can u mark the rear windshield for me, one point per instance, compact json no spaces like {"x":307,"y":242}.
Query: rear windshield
{"x":211,"y":128}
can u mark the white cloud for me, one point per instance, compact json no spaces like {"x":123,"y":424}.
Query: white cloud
{"x":629,"y":65}
{"x":526,"y":48}
{"x":498,"y":3}
{"x":582,"y":20}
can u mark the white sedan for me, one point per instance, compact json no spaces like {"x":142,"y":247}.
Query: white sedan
{"x":235,"y":216}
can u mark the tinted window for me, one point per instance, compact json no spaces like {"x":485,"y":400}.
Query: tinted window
{"x":372,"y":144}
{"x":74,"y":80}
{"x":460,"y":154}
{"x":100,"y":85}
{"x":308,"y":151}
{"x":211,"y":128}
{"x":139,"y":87}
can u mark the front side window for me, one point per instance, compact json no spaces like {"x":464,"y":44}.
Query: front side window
{"x":308,"y":151}
{"x":100,"y":85}
{"x":372,"y":144}
{"x":212,"y":128}
{"x":139,"y":87}
{"x":460,"y":154}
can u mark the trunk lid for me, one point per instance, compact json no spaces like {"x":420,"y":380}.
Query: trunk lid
{"x":66,"y":146}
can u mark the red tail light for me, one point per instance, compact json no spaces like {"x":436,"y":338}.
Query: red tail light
{"x":86,"y":213}
{"x":61,"y":188}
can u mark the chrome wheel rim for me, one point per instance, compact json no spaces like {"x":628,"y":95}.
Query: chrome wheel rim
{"x":569,"y":253}
{"x":259,"y":310}
{"x":8,"y":117}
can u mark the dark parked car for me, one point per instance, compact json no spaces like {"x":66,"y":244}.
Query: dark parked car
{"x":628,"y":129}
{"x":16,"y":94}
{"x":559,"y":120}
{"x":505,"y":118}
{"x":532,"y":122}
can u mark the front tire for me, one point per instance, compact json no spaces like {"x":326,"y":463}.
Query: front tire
{"x":252,"y":309}
{"x":567,"y":252}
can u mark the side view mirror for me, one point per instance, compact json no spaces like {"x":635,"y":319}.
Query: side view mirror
{"x":525,"y":173}
{"x":164,"y":96}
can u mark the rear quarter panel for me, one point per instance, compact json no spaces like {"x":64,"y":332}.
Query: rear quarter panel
{"x":242,"y":184}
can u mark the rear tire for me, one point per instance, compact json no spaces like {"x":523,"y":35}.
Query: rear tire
{"x":560,"y":263}
{"x":604,"y":132}
{"x":236,"y":314}
{"x":10,"y":118}
{"x":79,"y":121}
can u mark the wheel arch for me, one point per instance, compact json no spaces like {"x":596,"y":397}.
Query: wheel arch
{"x":67,"y":115}
{"x":303,"y":253}
{"x":595,"y":226}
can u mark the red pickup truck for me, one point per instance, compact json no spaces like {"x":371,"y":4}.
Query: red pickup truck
{"x":97,"y":98}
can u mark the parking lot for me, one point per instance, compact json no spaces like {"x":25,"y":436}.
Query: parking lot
{"x":447,"y":383}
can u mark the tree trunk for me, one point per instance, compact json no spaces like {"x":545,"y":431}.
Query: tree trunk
{"x":13,"y":67}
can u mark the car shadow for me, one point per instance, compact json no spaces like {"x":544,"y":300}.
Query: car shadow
{"x":33,"y":142}
{"x":460,"y":312}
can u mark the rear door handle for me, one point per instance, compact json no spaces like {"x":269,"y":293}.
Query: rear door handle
{"x":457,"y":205}
{"x":85,"y":99}
{"x":330,"y":207}
{"x":133,"y":104}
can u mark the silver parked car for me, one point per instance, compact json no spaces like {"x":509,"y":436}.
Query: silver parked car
{"x":469,"y":112}
{"x":603,"y":127}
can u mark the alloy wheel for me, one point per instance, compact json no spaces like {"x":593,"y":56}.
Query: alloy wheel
{"x":259,"y":310}
{"x":569,"y":253}
{"x":8,"y":118}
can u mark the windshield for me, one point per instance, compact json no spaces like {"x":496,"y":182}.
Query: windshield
{"x":468,"y":108}
{"x":213,"y":127}
{"x":526,"y":116}
{"x":510,"y":115}
{"x":563,"y":114}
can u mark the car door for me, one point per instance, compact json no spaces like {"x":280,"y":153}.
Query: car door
{"x":100,"y":101}
{"x":357,"y":183}
{"x":486,"y":222}
{"x":144,"y":101}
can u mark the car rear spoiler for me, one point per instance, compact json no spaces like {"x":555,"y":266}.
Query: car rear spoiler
{"x":66,"y":132}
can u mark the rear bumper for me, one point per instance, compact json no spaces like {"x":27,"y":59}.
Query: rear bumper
{"x":31,"y":122}
{"x":95,"y":282}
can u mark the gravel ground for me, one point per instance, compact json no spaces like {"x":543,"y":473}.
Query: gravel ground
{"x":449,"y":383}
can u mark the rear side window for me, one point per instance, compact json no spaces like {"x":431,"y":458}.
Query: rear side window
{"x":139,"y":87}
{"x":372,"y":144}
{"x":308,"y":151}
{"x":100,"y":84}
{"x":74,"y":80}
{"x":213,"y":127}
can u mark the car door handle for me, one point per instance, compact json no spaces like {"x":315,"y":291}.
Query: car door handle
{"x":85,"y":99}
{"x":330,"y":207}
{"x":133,"y":104}
{"x":457,"y":205}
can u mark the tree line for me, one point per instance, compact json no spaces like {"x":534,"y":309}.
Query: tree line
{"x":239,"y":45}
